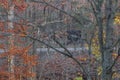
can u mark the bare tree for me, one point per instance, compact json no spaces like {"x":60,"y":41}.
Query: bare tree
{"x":105,"y":9}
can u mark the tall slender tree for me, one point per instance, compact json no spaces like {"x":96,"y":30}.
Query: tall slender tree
{"x":19,"y":61}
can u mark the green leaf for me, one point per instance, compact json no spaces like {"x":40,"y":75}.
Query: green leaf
{"x":78,"y":78}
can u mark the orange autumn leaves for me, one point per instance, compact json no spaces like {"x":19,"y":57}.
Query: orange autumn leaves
{"x":23,"y":62}
{"x":19,"y":4}
{"x":4,"y":3}
{"x":19,"y":29}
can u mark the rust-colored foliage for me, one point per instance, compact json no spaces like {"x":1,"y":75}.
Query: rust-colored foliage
{"x":4,"y":3}
{"x":1,"y":26}
{"x":23,"y":61}
{"x":19,"y":4}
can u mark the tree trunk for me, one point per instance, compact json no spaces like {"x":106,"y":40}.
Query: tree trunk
{"x":107,"y":54}
{"x":107,"y":74}
{"x":11,"y":41}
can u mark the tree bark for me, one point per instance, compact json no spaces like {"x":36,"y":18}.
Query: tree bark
{"x":107,"y":26}
{"x":11,"y":40}
{"x":107,"y":54}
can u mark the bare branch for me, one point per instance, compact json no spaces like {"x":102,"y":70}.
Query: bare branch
{"x":76,"y":19}
{"x":113,"y":63}
{"x":62,"y":46}
{"x":51,"y":22}
{"x":70,"y":56}
{"x":48,"y":46}
{"x":114,"y":44}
